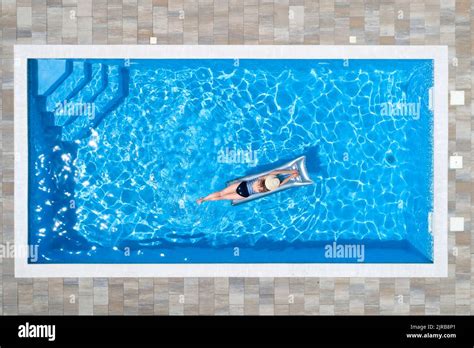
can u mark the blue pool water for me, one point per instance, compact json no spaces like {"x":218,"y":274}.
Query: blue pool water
{"x":119,"y":150}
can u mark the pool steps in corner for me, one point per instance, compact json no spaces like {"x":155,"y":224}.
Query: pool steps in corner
{"x":102,"y":85}
{"x":108,"y":100}
{"x":70,"y":86}
{"x":88,"y":93}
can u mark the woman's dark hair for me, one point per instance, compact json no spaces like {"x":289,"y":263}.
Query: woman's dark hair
{"x":261,"y":185}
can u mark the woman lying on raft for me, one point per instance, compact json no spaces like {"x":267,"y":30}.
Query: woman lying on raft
{"x":244,"y":189}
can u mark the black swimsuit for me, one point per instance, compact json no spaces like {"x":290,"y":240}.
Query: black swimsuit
{"x":242,"y":189}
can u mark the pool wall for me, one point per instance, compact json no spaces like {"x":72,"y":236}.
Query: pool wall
{"x":439,"y":217}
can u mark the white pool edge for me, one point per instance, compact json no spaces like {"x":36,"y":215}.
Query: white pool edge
{"x":439,"y":268}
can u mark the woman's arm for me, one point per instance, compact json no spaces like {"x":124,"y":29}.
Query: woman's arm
{"x":276,"y":172}
{"x":288,"y":179}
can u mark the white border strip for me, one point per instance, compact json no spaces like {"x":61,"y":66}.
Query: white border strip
{"x":439,"y":268}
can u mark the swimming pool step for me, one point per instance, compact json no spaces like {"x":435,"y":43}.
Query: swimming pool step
{"x":84,"y":99}
{"x":113,"y":90}
{"x":50,"y":74}
{"x":47,"y":119}
{"x":80,"y":75}
{"x":52,"y":132}
{"x":107,"y":101}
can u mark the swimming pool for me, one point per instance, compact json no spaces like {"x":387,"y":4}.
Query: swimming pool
{"x":119,"y":149}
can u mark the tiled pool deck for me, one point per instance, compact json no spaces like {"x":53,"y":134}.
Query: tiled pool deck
{"x":251,"y":22}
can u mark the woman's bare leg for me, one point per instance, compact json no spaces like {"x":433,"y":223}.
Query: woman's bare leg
{"x":209,"y":197}
{"x":217,"y":196}
{"x":231,"y":196}
{"x":228,"y":196}
{"x":212,"y":195}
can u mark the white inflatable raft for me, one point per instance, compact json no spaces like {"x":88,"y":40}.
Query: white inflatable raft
{"x":301,"y":180}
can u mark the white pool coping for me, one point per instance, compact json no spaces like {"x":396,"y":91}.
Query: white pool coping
{"x":439,"y":268}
